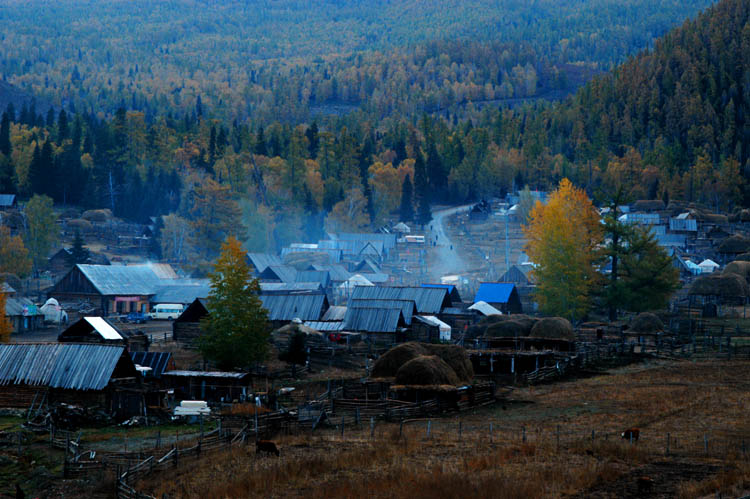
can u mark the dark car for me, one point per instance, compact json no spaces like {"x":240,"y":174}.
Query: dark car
{"x":137,"y":317}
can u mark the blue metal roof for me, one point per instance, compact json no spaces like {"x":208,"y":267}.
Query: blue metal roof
{"x":494,"y":292}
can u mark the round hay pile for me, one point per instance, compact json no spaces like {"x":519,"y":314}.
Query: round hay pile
{"x":744,"y":215}
{"x":722,"y":285}
{"x":554,"y":328}
{"x":389,"y":363}
{"x":80,"y":225}
{"x":648,"y":205}
{"x":735,"y":244}
{"x":456,"y":357}
{"x":744,"y":257}
{"x":480,"y":328}
{"x":68,"y":213}
{"x":741,"y":268}
{"x":511,"y":326}
{"x":713,"y":218}
{"x":647,"y":322}
{"x":302,"y":260}
{"x":97,"y":215}
{"x":426,"y":370}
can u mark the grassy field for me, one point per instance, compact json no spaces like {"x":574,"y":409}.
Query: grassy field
{"x":541,"y":445}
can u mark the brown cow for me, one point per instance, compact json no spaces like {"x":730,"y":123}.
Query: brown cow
{"x":631,"y":434}
{"x":266,"y":447}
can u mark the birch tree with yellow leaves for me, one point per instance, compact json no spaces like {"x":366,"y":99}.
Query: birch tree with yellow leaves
{"x":563,"y":239}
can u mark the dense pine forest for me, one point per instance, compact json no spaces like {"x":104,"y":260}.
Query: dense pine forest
{"x":226,"y":140}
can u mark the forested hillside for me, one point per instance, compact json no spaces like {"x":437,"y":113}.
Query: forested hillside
{"x":673,"y":122}
{"x":265,"y":61}
{"x":668,"y":123}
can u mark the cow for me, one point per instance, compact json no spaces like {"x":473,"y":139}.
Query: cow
{"x":266,"y":447}
{"x":645,"y":485}
{"x":631,"y":434}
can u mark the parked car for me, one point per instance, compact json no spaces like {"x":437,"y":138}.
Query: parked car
{"x":137,"y":317}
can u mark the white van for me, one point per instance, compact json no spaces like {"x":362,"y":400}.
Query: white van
{"x":169,"y":311}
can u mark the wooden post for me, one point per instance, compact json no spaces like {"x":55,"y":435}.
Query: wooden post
{"x":490,"y":431}
{"x":460,"y":429}
{"x":668,"y":442}
{"x":593,"y":435}
{"x":158,"y":439}
{"x":342,"y":426}
{"x":558,"y":438}
{"x":401,"y":428}
{"x":523,"y":434}
{"x":705,"y":442}
{"x":429,"y":424}
{"x":357,"y":416}
{"x":372,"y":427}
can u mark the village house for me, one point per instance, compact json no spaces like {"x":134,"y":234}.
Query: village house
{"x":87,"y":375}
{"x":501,"y":295}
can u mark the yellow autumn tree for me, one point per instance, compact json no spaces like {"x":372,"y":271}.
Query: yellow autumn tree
{"x":5,"y":326}
{"x":562,"y":240}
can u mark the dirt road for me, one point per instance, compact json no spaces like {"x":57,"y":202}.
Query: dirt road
{"x":446,"y":260}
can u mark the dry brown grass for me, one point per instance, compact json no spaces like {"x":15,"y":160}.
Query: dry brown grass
{"x":688,"y":400}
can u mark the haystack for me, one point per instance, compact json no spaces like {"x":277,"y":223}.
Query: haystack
{"x":282,"y":335}
{"x":721,"y":285}
{"x":426,"y":370}
{"x":647,"y":322}
{"x":81,"y":225}
{"x":744,"y":257}
{"x":713,"y":218}
{"x":456,"y":357}
{"x":648,"y":205}
{"x":480,"y":328}
{"x":511,"y":326}
{"x":740,"y":268}
{"x":302,"y":260}
{"x":554,"y":328}
{"x":389,"y":363}
{"x":744,"y":215}
{"x":97,"y":215}
{"x":735,"y":244}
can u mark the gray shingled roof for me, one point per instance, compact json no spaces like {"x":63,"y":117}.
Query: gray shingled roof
{"x":325,"y":326}
{"x":387,"y":240}
{"x":285,"y":273}
{"x":307,"y":307}
{"x":321,"y":276}
{"x":429,"y":300}
{"x":334,"y":313}
{"x":59,"y":365}
{"x":373,"y":320}
{"x":408,"y":307}
{"x":6,"y":288}
{"x":285,"y":288}
{"x":337,"y":272}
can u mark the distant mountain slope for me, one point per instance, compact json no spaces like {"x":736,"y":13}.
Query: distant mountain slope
{"x":683,"y":108}
{"x":10,"y":93}
{"x":274,"y":60}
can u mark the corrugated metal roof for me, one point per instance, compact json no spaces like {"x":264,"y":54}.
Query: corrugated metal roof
{"x":289,"y":287}
{"x":428,"y":300}
{"x":408,"y":307}
{"x":387,"y":240}
{"x":321,"y":276}
{"x":337,"y":272}
{"x":494,"y":292}
{"x":124,"y":280}
{"x":355,"y":247}
{"x":261,"y":261}
{"x":284,"y":273}
{"x":373,"y":320}
{"x":205,"y":374}
{"x":485,"y":308}
{"x":6,"y":288}
{"x":59,"y":365}
{"x":325,"y":326}
{"x":683,"y":224}
{"x":157,"y":361}
{"x":334,"y":313}
{"x":307,"y":307}
{"x":182,"y":291}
